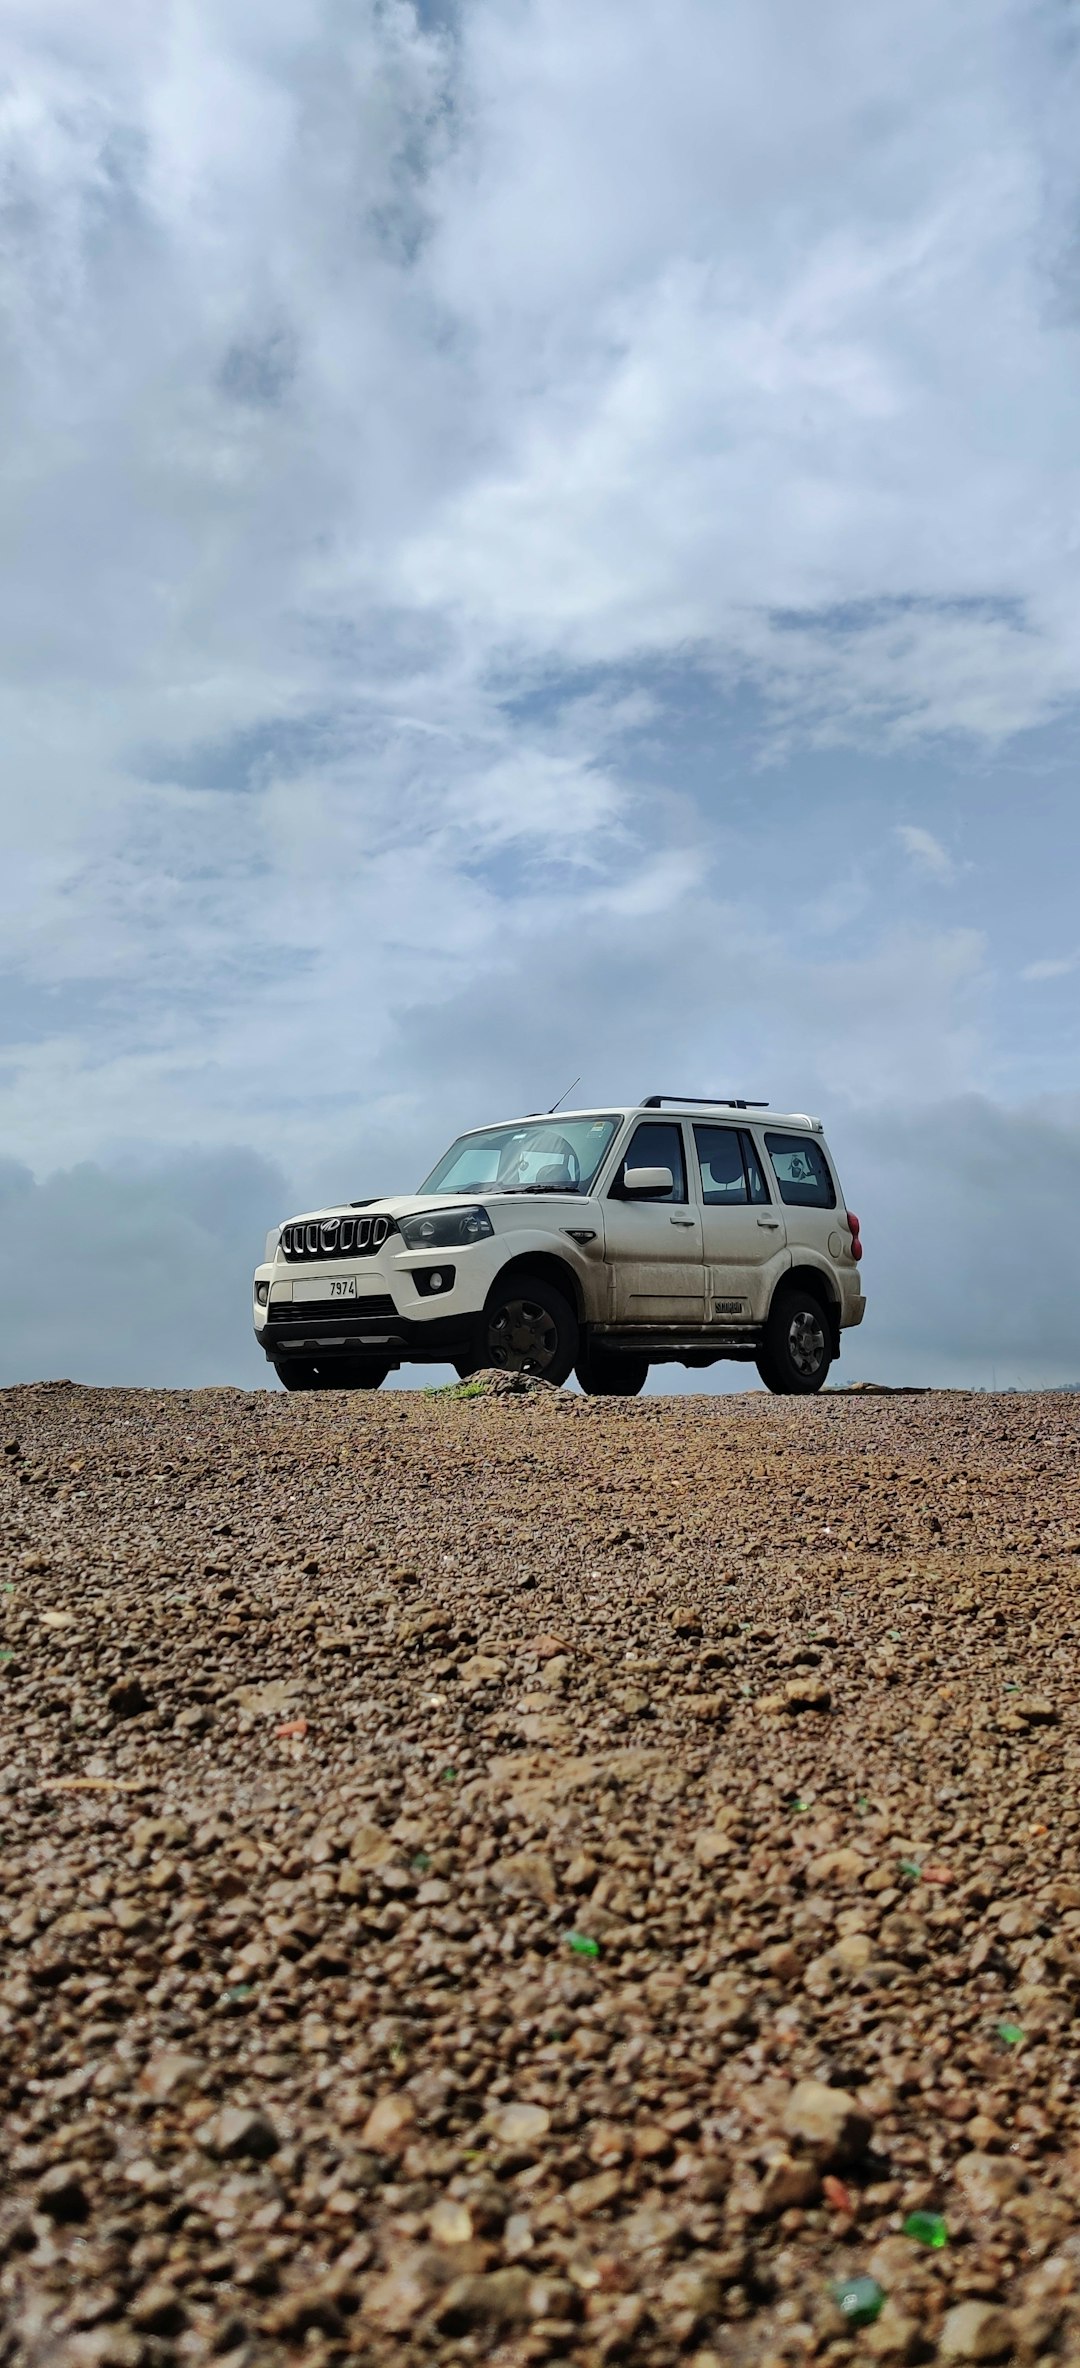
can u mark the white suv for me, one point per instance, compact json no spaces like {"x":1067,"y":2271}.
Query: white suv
{"x":598,"y":1242}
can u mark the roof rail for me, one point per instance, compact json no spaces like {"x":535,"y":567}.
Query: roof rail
{"x":701,"y":1102}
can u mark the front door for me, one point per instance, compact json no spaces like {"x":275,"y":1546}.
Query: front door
{"x":653,"y":1244}
{"x":744,"y":1236}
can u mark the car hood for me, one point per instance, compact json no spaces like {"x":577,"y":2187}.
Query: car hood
{"x":413,"y":1204}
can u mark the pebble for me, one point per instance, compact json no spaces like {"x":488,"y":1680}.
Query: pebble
{"x":367,"y":1706}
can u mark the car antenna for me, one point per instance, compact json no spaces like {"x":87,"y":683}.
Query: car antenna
{"x":562,"y":1097}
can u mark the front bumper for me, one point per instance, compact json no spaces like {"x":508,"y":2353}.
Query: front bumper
{"x":370,"y":1327}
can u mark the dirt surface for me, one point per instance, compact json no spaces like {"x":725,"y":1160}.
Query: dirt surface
{"x":529,"y":1876}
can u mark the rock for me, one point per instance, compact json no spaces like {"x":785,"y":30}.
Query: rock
{"x":692,"y":2293}
{"x":158,"y":2310}
{"x":398,"y":2297}
{"x":196,"y":1721}
{"x":529,"y":1874}
{"x":892,"y":2335}
{"x":827,"y":2121}
{"x":62,"y":2194}
{"x":976,"y":2331}
{"x":1036,"y":1710}
{"x":988,"y":2180}
{"x":710,"y":1847}
{"x":240,"y":2133}
{"x":787,"y":2182}
{"x":451,"y":2222}
{"x":168,"y":2073}
{"x":806,"y":1693}
{"x":495,"y":2298}
{"x":369,"y":1846}
{"x":521,"y":2125}
{"x":389,"y":2125}
{"x":316,"y":2306}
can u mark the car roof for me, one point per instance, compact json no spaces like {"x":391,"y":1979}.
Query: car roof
{"x":735,"y":1113}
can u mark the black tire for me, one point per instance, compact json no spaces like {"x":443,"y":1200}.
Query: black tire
{"x":303,"y":1373}
{"x":605,"y":1373}
{"x":526,"y":1327}
{"x":797,"y":1344}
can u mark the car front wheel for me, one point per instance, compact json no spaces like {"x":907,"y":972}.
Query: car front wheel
{"x":796,"y":1348}
{"x":527,"y":1327}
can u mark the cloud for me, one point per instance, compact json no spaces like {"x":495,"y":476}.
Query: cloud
{"x":1061,"y":966}
{"x":926,"y":852}
{"x":944,"y":1192}
{"x":127,"y":1277}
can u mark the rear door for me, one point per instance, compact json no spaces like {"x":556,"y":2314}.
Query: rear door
{"x":743,"y":1231}
{"x":653,"y":1246}
{"x":803,"y":1182}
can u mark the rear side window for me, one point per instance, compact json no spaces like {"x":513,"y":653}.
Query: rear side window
{"x":653,"y":1146}
{"x":801,"y":1172}
{"x":730,"y":1169}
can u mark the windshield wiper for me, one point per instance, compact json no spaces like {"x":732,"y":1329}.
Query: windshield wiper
{"x":574,"y":1188}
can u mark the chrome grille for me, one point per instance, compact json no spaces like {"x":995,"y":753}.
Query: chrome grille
{"x":334,"y":1237}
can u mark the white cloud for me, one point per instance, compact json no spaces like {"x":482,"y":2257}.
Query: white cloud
{"x":926,"y":852}
{"x":1060,"y":967}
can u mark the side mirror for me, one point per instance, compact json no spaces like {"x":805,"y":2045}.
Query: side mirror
{"x":637,"y":1180}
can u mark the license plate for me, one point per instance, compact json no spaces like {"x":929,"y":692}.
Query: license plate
{"x":330,"y":1286}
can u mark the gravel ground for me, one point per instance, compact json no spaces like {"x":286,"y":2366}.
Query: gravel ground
{"x":520,"y":1876}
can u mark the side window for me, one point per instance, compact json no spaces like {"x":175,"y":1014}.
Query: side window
{"x":801,"y":1172}
{"x":653,"y":1146}
{"x":723,"y":1179}
{"x":759,"y":1190}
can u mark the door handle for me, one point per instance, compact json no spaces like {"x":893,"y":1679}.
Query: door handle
{"x":682,"y":1220}
{"x":769,"y":1224}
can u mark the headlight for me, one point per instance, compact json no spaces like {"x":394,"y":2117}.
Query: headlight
{"x":445,"y":1229}
{"x":271,"y":1250}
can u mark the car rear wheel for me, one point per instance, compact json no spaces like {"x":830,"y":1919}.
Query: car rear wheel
{"x":526,"y":1327}
{"x":305,"y":1373}
{"x":603,"y":1373}
{"x":796,"y":1348}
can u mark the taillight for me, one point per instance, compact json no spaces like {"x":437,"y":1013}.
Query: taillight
{"x":856,"y":1245}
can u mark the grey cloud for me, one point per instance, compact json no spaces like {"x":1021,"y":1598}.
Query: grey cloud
{"x":135,"y":1276}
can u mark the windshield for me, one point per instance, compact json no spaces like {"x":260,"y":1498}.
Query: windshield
{"x":533,"y":1155}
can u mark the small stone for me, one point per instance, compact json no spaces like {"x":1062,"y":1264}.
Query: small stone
{"x":493,"y":2298}
{"x":692,"y":2293}
{"x":788,"y":2183}
{"x":975,"y":2331}
{"x":892,"y":2335}
{"x":61,"y":2193}
{"x":165,"y":2074}
{"x":394,"y":2300}
{"x":806,"y":1693}
{"x":522,"y":2125}
{"x":710,"y":1847}
{"x":1036,"y":1710}
{"x":388,"y":2125}
{"x":988,"y":2180}
{"x":451,"y":2222}
{"x":158,"y":2310}
{"x":828,"y":2121}
{"x":239,"y":2133}
{"x":196,"y":1721}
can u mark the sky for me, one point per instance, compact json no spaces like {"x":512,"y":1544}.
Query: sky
{"x":539,"y":539}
